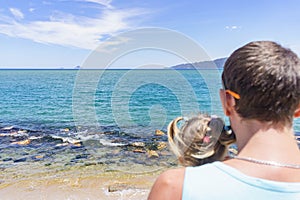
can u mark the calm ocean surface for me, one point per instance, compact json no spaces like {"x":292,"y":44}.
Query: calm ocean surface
{"x":43,"y":99}
{"x":83,"y":114}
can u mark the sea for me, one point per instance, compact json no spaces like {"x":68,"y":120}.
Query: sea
{"x":99,"y":117}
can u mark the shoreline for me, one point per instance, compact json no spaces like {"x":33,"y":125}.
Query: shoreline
{"x":37,"y":165}
{"x":78,"y":182}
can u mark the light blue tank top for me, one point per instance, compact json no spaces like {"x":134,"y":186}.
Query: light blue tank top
{"x":220,"y":181}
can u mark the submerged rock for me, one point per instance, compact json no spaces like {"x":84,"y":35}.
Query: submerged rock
{"x":38,"y":157}
{"x":159,"y":132}
{"x":7,"y":159}
{"x":152,"y":154}
{"x":161,"y":145}
{"x":20,"y":160}
{"x":138,"y":144}
{"x":82,"y":156}
{"x":139,"y":150}
{"x":23,"y":142}
{"x":90,"y":163}
{"x":118,"y":187}
{"x":76,"y":145}
{"x":66,"y":130}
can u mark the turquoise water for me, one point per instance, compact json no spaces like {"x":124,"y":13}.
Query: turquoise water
{"x":75,"y":116}
{"x":43,"y":98}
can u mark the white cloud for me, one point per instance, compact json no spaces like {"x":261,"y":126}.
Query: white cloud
{"x":31,"y":9}
{"x":106,"y":3}
{"x":233,"y":27}
{"x":113,"y":44}
{"x":70,"y":30}
{"x":46,"y":3}
{"x":16,"y":13}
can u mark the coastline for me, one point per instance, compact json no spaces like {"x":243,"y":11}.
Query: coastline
{"x":77,"y":182}
{"x":36,"y":165}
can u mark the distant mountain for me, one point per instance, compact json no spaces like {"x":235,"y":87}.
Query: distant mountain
{"x":219,"y":63}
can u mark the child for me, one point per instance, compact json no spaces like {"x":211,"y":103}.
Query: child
{"x":201,"y":139}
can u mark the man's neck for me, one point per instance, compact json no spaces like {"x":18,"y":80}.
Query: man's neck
{"x":265,"y":139}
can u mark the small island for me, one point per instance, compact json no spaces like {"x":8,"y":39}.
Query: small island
{"x":218,"y":63}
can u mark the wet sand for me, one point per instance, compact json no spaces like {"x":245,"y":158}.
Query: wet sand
{"x":77,"y":182}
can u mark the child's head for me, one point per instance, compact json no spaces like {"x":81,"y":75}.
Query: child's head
{"x":267,"y":78}
{"x":201,"y":139}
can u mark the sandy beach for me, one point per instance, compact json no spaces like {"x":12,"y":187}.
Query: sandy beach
{"x":72,"y":183}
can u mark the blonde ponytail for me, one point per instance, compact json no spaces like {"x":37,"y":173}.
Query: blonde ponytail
{"x":201,"y":139}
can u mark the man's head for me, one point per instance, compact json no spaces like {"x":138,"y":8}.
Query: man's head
{"x":266,"y":77}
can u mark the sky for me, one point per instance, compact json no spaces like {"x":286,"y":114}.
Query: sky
{"x":64,"y":33}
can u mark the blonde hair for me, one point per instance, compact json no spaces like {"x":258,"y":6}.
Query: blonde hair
{"x":201,"y":139}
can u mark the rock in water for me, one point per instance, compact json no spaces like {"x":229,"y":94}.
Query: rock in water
{"x":118,"y":187}
{"x":139,"y":150}
{"x":138,"y":144}
{"x":20,"y":160}
{"x":161,"y":145}
{"x":23,"y":142}
{"x":152,"y":154}
{"x":159,"y":133}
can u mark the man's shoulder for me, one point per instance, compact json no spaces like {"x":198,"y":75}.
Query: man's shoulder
{"x":172,"y":173}
{"x":168,"y":185}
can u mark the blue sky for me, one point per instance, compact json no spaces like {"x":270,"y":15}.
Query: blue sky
{"x":63,"y":33}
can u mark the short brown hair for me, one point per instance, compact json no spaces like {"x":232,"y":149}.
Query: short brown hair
{"x":267,"y":78}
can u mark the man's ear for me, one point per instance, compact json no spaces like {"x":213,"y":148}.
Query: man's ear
{"x":228,"y":102}
{"x":297,"y":112}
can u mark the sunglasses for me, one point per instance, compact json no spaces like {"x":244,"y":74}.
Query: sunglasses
{"x":235,"y":95}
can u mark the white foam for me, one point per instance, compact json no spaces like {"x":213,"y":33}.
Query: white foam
{"x":7,"y":128}
{"x":132,"y":194}
{"x":110,"y":143}
{"x":66,"y":139}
